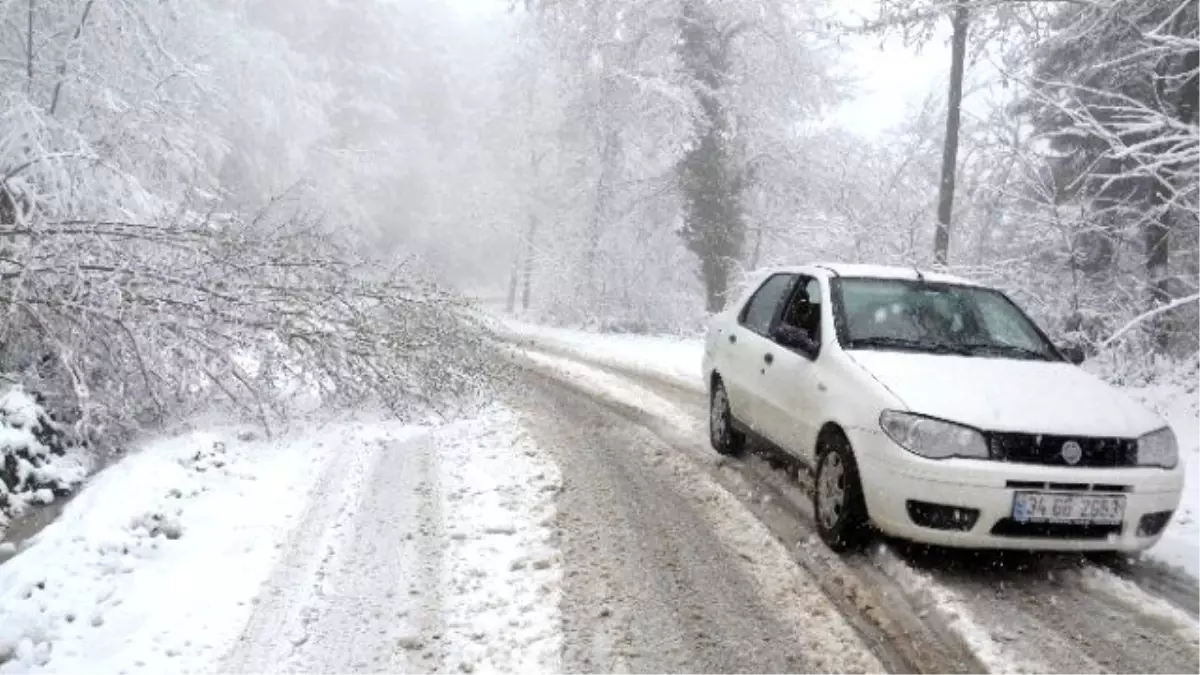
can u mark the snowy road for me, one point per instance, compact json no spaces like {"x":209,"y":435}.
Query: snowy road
{"x":581,"y":523}
{"x":1008,"y":613}
{"x":587,"y":527}
{"x":641,"y":564}
{"x":664,"y":572}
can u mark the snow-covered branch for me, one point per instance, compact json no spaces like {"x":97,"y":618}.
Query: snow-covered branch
{"x":1146,"y":316}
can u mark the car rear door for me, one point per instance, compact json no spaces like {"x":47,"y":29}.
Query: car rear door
{"x":746,"y":343}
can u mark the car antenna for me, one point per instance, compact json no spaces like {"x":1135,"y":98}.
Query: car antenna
{"x":920,"y":277}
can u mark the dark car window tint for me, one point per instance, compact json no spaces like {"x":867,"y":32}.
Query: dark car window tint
{"x":762,"y":307}
{"x":804,"y":310}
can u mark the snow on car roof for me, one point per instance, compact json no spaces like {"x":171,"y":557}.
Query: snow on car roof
{"x":880,"y":272}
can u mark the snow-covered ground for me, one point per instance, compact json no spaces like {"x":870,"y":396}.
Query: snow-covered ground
{"x":162,"y":561}
{"x":1177,"y":402}
{"x":678,"y":359}
{"x":675,"y":358}
{"x":502,"y":567}
{"x":154,"y":565}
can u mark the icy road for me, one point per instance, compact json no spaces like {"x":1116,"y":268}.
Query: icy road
{"x":581,"y":524}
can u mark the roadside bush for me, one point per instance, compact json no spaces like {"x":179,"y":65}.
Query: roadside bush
{"x":39,"y":460}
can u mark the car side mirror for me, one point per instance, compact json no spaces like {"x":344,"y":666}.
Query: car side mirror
{"x":796,"y":338}
{"x":1074,"y":354}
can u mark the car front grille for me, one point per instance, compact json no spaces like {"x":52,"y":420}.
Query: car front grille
{"x":1048,"y":450}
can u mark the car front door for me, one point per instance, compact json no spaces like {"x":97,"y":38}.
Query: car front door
{"x":746,"y":344}
{"x":790,"y":384}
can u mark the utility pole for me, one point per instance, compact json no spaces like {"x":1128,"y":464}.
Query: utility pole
{"x":958,"y":50}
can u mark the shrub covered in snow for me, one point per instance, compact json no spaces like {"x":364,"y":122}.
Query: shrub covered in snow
{"x":38,"y":460}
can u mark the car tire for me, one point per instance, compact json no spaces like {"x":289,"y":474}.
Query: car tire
{"x":725,"y":439}
{"x":838,"y":505}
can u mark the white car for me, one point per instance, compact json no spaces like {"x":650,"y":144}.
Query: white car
{"x":933,"y":409}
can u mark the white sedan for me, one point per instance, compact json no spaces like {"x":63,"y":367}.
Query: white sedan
{"x":933,"y":409}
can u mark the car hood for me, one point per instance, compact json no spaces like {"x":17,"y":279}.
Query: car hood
{"x":1008,"y":394}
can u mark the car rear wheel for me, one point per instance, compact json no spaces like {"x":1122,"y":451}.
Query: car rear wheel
{"x":841,"y":512}
{"x":725,"y":439}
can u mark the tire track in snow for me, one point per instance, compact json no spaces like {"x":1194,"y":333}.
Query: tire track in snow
{"x":428,"y":551}
{"x":356,"y":573}
{"x":664,"y":572}
{"x":277,"y":622}
{"x":502,"y":571}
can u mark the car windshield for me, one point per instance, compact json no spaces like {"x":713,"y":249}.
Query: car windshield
{"x":913,"y":315}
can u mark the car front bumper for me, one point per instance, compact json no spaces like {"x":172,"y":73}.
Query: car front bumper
{"x":892,"y":477}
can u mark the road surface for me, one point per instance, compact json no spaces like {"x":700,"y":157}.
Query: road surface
{"x":658,"y":556}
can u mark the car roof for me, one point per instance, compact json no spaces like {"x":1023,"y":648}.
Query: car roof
{"x":874,"y":272}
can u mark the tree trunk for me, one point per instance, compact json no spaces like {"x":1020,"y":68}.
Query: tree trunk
{"x":609,"y":151}
{"x":530,"y":237}
{"x":510,"y":303}
{"x":710,"y":183}
{"x":1156,"y":236}
{"x":758,"y":240}
{"x":941,"y":238}
{"x":62,"y":67}
{"x":1156,"y":231}
{"x":29,"y":47}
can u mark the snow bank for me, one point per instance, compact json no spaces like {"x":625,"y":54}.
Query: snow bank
{"x":1174,"y":396}
{"x":37,"y":461}
{"x":155,"y":564}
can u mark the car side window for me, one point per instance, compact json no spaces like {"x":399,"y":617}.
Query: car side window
{"x":762,"y":307}
{"x":804,"y":308}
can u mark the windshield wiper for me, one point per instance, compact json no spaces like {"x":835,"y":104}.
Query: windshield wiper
{"x":1005,"y":349}
{"x":886,"y":342}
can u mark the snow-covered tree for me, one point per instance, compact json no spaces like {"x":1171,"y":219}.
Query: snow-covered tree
{"x":188,"y":205}
{"x":670,"y":114}
{"x":1115,"y":93}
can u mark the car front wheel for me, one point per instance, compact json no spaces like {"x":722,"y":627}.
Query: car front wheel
{"x":725,"y":439}
{"x":838,"y":504}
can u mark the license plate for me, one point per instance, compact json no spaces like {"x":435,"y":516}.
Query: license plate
{"x":1058,"y":507}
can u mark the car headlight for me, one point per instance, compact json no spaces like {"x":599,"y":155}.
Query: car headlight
{"x":1158,"y":448}
{"x":932,"y":438}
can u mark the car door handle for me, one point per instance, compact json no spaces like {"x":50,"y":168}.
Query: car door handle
{"x":732,"y":338}
{"x":769,"y":358}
